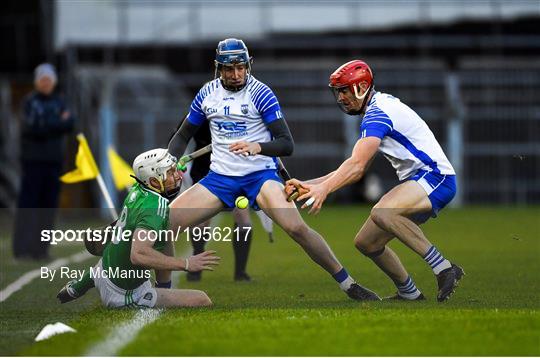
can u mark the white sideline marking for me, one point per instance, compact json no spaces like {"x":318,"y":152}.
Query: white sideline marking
{"x":126,"y":332}
{"x":123,"y":334}
{"x":30,"y":275}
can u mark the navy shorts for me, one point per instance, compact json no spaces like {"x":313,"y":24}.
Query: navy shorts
{"x":440,"y":188}
{"x":228,"y":188}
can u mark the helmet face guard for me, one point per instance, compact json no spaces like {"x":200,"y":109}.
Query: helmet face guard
{"x":231,"y":52}
{"x":356,"y":91}
{"x":169,"y":162}
{"x":155,"y":164}
{"x":172,"y":193}
{"x":350,"y":76}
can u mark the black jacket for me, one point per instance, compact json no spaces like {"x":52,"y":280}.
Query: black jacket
{"x":43,"y":128}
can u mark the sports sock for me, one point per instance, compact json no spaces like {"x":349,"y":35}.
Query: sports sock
{"x":342,"y":277}
{"x":436,"y":260}
{"x":241,"y":245}
{"x":407,"y":289}
{"x":80,"y":287}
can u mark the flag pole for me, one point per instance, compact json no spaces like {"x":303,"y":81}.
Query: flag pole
{"x":107,"y":196}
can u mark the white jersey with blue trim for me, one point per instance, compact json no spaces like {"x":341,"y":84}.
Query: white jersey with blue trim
{"x":406,"y":140}
{"x":233,"y":117}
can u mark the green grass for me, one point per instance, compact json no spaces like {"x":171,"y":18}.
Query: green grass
{"x":294,"y":308}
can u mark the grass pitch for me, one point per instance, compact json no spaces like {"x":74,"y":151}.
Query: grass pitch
{"x":294,"y":308}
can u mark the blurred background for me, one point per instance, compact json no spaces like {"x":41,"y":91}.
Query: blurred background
{"x":129,"y":70}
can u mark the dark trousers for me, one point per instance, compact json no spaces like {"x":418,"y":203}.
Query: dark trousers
{"x":36,"y":207}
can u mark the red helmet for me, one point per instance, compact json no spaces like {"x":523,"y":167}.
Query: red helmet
{"x":351,"y":75}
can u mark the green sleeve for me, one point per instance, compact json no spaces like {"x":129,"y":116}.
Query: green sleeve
{"x":154,"y":215}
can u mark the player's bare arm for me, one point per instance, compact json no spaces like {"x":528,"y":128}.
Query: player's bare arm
{"x":350,"y":171}
{"x":163,"y":276}
{"x":295,"y":184}
{"x":143,"y":254}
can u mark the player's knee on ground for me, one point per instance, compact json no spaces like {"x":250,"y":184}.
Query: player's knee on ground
{"x":168,"y":298}
{"x":201,"y":299}
{"x":196,"y":298}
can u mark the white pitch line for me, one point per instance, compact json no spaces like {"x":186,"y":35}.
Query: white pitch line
{"x":123,"y":334}
{"x":126,"y":332}
{"x":31,"y":275}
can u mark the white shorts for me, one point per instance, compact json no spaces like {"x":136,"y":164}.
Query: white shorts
{"x":144,"y":296}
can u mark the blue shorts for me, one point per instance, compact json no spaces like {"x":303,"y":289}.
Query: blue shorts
{"x":440,"y":188}
{"x":228,"y":188}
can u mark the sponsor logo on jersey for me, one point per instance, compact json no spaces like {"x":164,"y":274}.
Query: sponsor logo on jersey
{"x":231,"y":126}
{"x":230,"y":129}
{"x":228,"y":98}
{"x":244,"y":108}
{"x":211,"y":110}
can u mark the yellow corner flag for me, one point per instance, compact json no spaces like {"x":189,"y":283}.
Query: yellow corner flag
{"x":86,"y":167}
{"x":121,"y":171}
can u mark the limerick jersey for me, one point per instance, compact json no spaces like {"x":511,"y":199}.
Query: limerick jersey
{"x":143,"y":209}
{"x":406,"y":140}
{"x":236,"y":116}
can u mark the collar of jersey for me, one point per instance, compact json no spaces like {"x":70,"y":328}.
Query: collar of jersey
{"x":370,"y":103}
{"x":372,"y":100}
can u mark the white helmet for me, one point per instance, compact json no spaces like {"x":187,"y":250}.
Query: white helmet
{"x":154,"y":164}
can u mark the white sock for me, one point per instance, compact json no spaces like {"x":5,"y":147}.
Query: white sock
{"x":346,"y":284}
{"x":343,"y":278}
{"x":436,"y":260}
{"x":408,"y":289}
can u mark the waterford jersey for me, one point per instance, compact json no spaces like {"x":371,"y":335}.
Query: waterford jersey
{"x":406,"y":140}
{"x":143,"y":209}
{"x":233,"y":117}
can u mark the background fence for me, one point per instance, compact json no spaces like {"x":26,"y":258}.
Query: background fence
{"x":475,"y":82}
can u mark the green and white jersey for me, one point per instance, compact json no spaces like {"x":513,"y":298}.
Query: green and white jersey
{"x":142,"y":208}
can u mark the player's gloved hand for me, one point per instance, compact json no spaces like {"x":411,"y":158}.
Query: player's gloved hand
{"x":203,"y":261}
{"x":245,"y":148}
{"x":181,"y":165}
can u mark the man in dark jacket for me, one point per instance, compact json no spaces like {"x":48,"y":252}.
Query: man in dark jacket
{"x":45,"y":121}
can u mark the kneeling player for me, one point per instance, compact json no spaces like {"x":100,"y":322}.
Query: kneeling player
{"x":122,"y":275}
